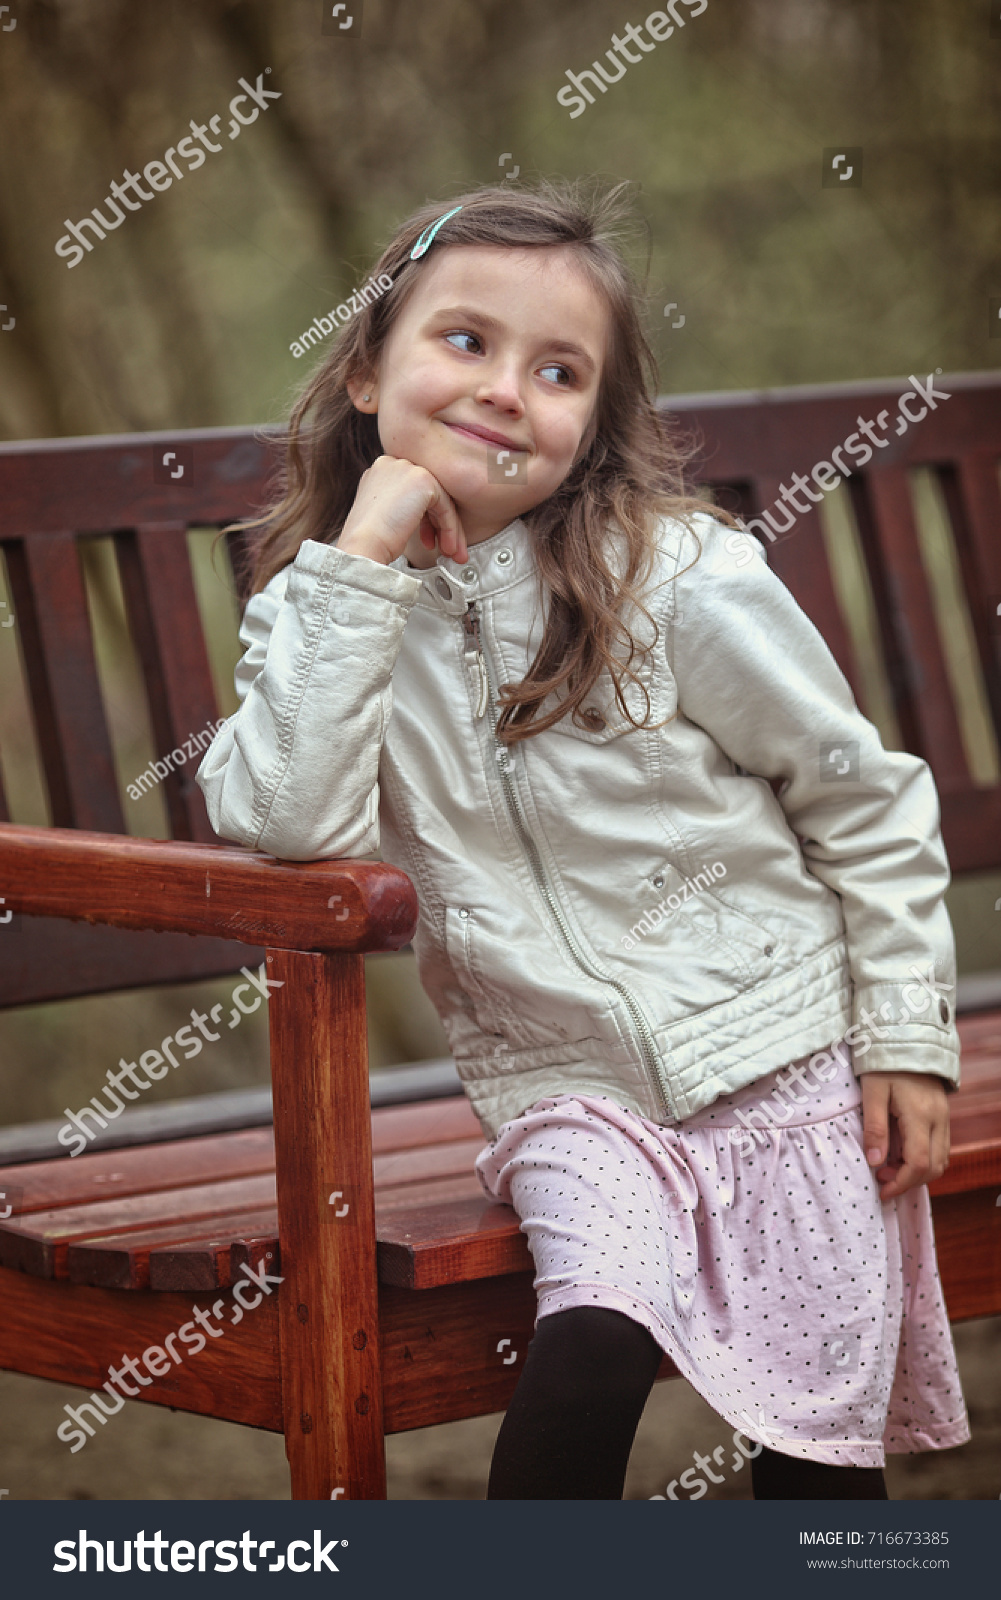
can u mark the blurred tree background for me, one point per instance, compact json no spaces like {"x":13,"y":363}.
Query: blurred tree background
{"x":184,"y":315}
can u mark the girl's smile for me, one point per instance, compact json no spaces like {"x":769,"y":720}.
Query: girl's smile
{"x":469,"y":431}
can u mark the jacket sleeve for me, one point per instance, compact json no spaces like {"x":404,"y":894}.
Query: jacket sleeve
{"x":755,"y":674}
{"x":295,"y":770}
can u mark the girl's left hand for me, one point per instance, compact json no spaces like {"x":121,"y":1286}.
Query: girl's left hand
{"x":905,"y":1117}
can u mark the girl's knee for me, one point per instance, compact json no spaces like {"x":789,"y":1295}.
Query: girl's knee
{"x":596,"y":1337}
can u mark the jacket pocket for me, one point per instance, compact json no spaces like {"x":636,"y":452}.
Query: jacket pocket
{"x":694,"y":907}
{"x":519,"y":993}
{"x":479,"y":1000}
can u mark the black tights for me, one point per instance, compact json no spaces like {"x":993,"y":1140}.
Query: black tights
{"x":573,"y":1417}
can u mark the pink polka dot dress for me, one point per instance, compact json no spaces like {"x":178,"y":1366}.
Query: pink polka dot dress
{"x":804,"y":1310}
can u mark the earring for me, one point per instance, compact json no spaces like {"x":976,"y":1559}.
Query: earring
{"x":366,"y":397}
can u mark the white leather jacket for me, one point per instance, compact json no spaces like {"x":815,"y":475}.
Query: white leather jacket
{"x":366,"y":728}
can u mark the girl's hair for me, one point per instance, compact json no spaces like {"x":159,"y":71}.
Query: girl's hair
{"x":629,"y":476}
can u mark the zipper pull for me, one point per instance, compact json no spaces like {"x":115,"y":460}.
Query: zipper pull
{"x":474,"y":653}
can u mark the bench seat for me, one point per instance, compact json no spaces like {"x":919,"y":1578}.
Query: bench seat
{"x":184,"y":1215}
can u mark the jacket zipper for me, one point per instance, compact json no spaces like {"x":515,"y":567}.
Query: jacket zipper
{"x":474,"y":653}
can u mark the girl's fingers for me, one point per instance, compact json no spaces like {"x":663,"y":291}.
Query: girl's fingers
{"x":875,"y":1118}
{"x":921,"y":1144}
{"x":395,"y":499}
{"x":444,"y":518}
{"x":905,"y":1118}
{"x":940,"y":1144}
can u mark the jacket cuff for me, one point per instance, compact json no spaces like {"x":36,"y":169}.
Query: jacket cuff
{"x":358,"y":572}
{"x":906,"y":1027}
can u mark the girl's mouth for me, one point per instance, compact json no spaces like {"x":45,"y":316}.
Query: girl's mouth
{"x":484,"y":436}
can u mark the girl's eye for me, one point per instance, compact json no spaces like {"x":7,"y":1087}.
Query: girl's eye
{"x":564,"y":375}
{"x":465,"y":348}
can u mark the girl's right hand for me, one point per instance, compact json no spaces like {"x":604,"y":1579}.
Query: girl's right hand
{"x":395,"y":500}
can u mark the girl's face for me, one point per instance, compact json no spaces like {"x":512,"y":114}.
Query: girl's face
{"x":497,"y":349}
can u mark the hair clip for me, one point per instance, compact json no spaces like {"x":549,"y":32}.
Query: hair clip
{"x":428,"y":235}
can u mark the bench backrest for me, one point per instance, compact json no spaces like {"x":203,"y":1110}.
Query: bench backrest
{"x":53,"y":493}
{"x":753,"y":444}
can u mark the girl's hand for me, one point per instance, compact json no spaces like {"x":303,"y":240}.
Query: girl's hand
{"x":395,"y":500}
{"x":905,"y":1133}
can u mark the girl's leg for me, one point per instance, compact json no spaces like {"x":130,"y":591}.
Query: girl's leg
{"x":778,"y":1477}
{"x":572,"y":1419}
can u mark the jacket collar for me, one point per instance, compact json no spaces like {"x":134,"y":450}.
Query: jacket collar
{"x":494,"y":564}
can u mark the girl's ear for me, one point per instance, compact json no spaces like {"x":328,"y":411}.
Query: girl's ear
{"x":365,"y":393}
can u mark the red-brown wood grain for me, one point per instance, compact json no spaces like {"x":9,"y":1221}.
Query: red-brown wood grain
{"x":206,"y":889}
{"x":50,"y":605}
{"x":426,"y":1122}
{"x":440,"y":1356}
{"x":164,"y":622}
{"x":195,"y":1254}
{"x":329,"y":1303}
{"x":101,"y":484}
{"x":434,"y":1224}
{"x":38,"y":1243}
{"x":109,"y":1174}
{"x":912,"y":610}
{"x":74,"y":1334}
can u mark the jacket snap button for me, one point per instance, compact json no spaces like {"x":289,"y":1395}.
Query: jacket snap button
{"x":658,"y":883}
{"x":503,"y":557}
{"x":943,"y":1010}
{"x":464,"y":911}
{"x":592,"y":719}
{"x":769,"y":949}
{"x":468,"y":575}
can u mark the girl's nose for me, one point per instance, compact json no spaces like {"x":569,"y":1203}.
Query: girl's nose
{"x":502,"y":389}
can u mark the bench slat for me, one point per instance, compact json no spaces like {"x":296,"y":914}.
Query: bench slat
{"x":161,"y":604}
{"x":122,"y":1261}
{"x":972,"y":497}
{"x":426,"y":1122}
{"x":50,"y":603}
{"x":38,"y":1243}
{"x":912,"y":620}
{"x":113,"y":1174}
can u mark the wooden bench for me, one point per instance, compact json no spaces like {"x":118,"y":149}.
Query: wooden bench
{"x":415,"y":1304}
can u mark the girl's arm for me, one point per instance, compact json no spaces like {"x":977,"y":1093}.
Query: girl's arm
{"x":295,"y":770}
{"x":754,"y":672}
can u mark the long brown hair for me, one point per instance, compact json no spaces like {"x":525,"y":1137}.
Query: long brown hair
{"x":631,"y":474}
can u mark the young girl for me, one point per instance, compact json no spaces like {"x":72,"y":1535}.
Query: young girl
{"x":492,"y":639}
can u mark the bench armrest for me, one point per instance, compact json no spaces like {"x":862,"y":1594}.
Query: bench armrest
{"x":218,"y":890}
